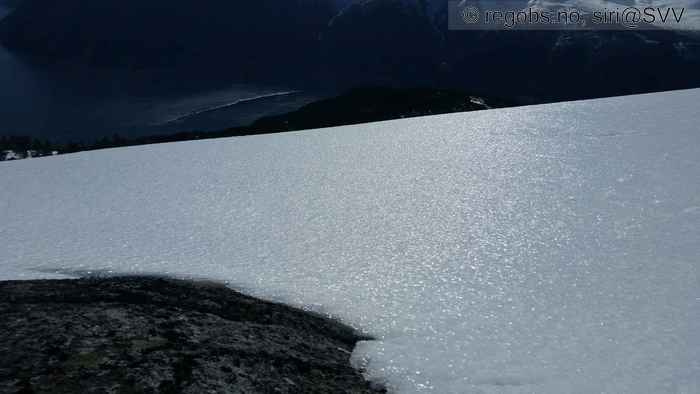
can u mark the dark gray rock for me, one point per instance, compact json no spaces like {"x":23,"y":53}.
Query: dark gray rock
{"x":152,"y":335}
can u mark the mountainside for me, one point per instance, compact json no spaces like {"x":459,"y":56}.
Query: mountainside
{"x":539,"y":249}
{"x":408,"y":40}
{"x":373,"y":105}
{"x":350,"y":43}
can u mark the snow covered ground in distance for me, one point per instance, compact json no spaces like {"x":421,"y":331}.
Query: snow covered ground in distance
{"x":543,"y":249}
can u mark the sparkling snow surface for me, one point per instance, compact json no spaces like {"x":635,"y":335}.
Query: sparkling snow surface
{"x":546,"y":249}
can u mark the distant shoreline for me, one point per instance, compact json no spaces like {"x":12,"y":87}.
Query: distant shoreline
{"x":357,"y":106}
{"x":227,"y":105}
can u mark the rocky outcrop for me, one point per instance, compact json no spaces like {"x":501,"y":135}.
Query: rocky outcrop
{"x":149,"y":335}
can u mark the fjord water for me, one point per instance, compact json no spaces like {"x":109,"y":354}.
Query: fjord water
{"x":544,"y":249}
{"x":70,"y":103}
{"x":86,"y":105}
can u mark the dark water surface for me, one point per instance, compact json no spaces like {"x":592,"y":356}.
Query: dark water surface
{"x":71,"y":104}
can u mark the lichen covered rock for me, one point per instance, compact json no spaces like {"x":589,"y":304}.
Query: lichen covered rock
{"x":151,"y":335}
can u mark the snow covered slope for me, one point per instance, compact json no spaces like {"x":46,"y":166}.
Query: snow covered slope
{"x":547,"y":249}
